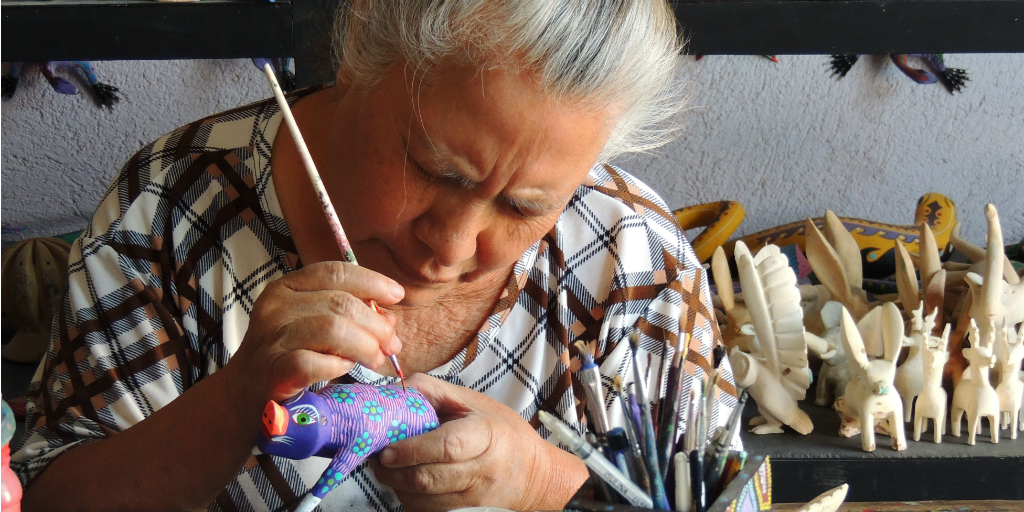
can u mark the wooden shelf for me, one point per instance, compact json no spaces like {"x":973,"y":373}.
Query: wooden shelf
{"x":35,"y":30}
{"x":803,"y":466}
{"x":143,"y":30}
{"x":792,"y":27}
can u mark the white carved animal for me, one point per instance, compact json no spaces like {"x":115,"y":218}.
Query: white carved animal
{"x":836,"y":261}
{"x":931,"y":402}
{"x":835,"y":371}
{"x":775,"y":373}
{"x":870,"y":395}
{"x":1010,"y":390}
{"x":735,"y":312}
{"x":975,"y":396}
{"x":910,"y":375}
{"x":995,"y":300}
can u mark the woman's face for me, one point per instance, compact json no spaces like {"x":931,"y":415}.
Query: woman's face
{"x":443,"y":184}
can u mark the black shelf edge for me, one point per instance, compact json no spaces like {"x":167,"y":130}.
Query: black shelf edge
{"x":821,"y":27}
{"x":990,"y":478}
{"x":145,"y":30}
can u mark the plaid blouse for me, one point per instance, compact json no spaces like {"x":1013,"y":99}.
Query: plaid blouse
{"x":189,"y":233}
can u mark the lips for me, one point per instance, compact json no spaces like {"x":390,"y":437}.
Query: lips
{"x":419,"y":278}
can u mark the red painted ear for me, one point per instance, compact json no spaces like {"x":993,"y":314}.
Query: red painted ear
{"x":275,"y":420}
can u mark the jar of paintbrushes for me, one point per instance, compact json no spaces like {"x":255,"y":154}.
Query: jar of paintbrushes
{"x":644,"y":462}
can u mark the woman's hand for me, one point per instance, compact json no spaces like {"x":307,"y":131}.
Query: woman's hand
{"x":312,"y":325}
{"x":483,"y":454}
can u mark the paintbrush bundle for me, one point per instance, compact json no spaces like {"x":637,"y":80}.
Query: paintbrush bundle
{"x":644,"y":461}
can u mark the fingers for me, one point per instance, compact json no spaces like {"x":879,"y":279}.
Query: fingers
{"x":456,"y":441}
{"x":296,"y":369}
{"x":335,"y":336}
{"x":335,"y":275}
{"x":428,"y":479}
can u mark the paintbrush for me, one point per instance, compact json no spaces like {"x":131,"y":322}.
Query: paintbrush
{"x":631,"y":435}
{"x":318,"y":186}
{"x":650,"y":446}
{"x":670,"y":410}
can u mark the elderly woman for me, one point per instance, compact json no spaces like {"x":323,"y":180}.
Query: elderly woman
{"x":464,"y":146}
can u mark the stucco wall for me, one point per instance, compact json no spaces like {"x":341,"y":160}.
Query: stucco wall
{"x":786,"y":139}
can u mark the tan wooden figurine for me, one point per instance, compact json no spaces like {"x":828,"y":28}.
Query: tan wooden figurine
{"x":1010,"y":389}
{"x":834,"y":373}
{"x":775,"y":372}
{"x":931,"y":402}
{"x":34,"y":277}
{"x":735,"y":312}
{"x":870,"y":396}
{"x":836,"y":261}
{"x":974,"y":396}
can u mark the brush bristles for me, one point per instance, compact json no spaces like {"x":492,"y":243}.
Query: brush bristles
{"x":617,"y":384}
{"x":584,"y":352}
{"x":634,"y":341}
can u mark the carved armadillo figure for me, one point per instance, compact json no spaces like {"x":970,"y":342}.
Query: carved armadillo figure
{"x":345,"y":422}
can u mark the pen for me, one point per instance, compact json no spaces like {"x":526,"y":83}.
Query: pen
{"x":650,"y":446}
{"x":595,"y":461}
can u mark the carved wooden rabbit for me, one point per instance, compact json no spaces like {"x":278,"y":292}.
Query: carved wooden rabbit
{"x":931,"y":402}
{"x":1010,"y":389}
{"x":775,"y":373}
{"x":975,"y":396}
{"x":869,"y":395}
{"x":836,"y":261}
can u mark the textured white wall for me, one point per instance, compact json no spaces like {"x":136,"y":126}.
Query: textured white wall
{"x":786,"y":139}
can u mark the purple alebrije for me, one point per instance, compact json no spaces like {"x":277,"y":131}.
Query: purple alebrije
{"x":347,"y":423}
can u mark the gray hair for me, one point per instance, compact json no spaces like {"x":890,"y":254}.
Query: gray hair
{"x":616,"y":53}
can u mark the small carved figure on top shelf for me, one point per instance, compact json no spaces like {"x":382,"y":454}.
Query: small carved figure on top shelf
{"x":1010,"y":389}
{"x":869,"y":395}
{"x":974,"y":395}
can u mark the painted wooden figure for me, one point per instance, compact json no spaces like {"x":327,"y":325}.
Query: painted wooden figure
{"x":345,"y":422}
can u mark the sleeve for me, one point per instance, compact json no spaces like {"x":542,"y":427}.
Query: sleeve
{"x":117,"y":349}
{"x":659,"y":290}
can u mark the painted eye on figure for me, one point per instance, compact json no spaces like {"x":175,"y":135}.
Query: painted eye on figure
{"x":305,"y":415}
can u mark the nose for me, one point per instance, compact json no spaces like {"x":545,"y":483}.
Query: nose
{"x":451,"y":231}
{"x":275,"y":420}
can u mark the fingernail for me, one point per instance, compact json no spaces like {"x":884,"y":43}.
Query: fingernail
{"x":396,"y":290}
{"x":387,"y":456}
{"x":396,"y":344}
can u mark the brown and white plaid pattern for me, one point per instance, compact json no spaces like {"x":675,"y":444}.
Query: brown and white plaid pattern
{"x":163,"y":280}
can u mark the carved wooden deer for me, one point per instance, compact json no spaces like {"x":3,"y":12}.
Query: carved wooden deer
{"x":1010,"y":389}
{"x":975,"y":396}
{"x":931,"y":402}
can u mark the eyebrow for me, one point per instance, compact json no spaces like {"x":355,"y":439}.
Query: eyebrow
{"x":449,"y":172}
